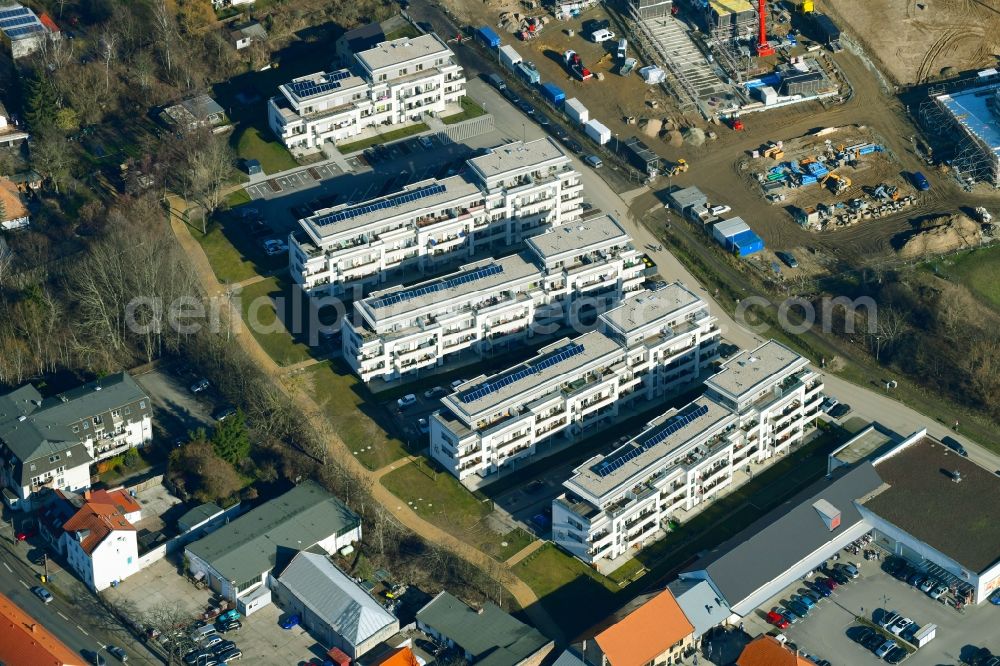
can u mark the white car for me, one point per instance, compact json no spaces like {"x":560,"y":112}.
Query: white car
{"x":455,"y":384}
{"x":602,"y":35}
{"x":42,"y":594}
{"x":199,"y":386}
{"x":938,"y":591}
{"x":900,"y":625}
{"x":423,"y":426}
{"x":885,"y":647}
{"x":721,"y":209}
{"x":407,"y":400}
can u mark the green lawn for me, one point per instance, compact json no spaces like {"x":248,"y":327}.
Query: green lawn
{"x":344,"y":400}
{"x":386,"y":137}
{"x":572,"y":593}
{"x":517,"y":540}
{"x":237,"y":198}
{"x":470,"y":109}
{"x":978,"y":270}
{"x":406,"y":31}
{"x":230,"y":265}
{"x":257,"y":302}
{"x":273,"y":156}
{"x":626,"y":572}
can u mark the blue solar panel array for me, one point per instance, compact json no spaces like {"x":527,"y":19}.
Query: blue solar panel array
{"x":670,"y":427}
{"x":16,"y":11}
{"x":477,"y":274}
{"x":487,"y":388}
{"x":9,"y":23}
{"x":28,"y":29}
{"x":397,"y":200}
{"x":305,"y":89}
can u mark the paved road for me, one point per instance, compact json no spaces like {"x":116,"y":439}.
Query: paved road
{"x":80,"y":623}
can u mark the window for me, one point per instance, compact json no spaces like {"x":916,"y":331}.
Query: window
{"x":142,"y":404}
{"x":116,"y":413}
{"x":97,"y":421}
{"x":60,"y":469}
{"x":86,"y":425}
{"x":128,"y":410}
{"x":76,"y":428}
{"x":54,"y":458}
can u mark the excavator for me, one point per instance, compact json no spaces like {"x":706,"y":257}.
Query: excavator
{"x":681,"y":166}
{"x":836,"y":182}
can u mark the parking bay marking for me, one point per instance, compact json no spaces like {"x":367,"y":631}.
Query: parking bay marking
{"x":8,"y":568}
{"x":59,"y":613}
{"x":83,"y":630}
{"x":25,"y":584}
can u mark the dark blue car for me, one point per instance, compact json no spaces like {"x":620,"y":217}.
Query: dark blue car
{"x":920,"y":182}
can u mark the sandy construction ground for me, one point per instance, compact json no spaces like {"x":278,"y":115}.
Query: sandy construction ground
{"x":913,"y":40}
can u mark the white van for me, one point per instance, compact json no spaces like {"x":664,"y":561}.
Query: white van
{"x":201,"y":632}
{"x":602,"y":35}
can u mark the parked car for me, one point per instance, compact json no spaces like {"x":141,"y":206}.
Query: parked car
{"x":928,"y":584}
{"x":211,"y":641}
{"x":920,"y":181}
{"x":884,"y":649}
{"x":119,"y":653}
{"x":198,"y":656}
{"x":559,"y":133}
{"x":955,"y":446}
{"x":224,"y":646}
{"x":788,"y":259}
{"x":273,"y":246}
{"x":798,"y":607}
{"x":895,"y":655}
{"x":223,"y":413}
{"x":423,"y":426}
{"x":873,"y":641}
{"x":837,"y":575}
{"x":200,"y":385}
{"x":290,"y":621}
{"x":602,"y":35}
{"x":26,"y":533}
{"x":230,"y":615}
{"x":495,"y":81}
{"x":888,"y":618}
{"x":777,"y":619}
{"x":839,"y":411}
{"x":790,"y":617}
{"x":830,"y":583}
{"x":860,"y":634}
{"x":232,"y":625}
{"x":42,"y":594}
{"x":850,"y":569}
{"x":915,"y":579}
{"x":201,"y":632}
{"x":574,"y":146}
{"x":829,"y":402}
{"x":593,"y":161}
{"x":430,"y":394}
{"x":455,"y":384}
{"x":407,"y":400}
{"x":819,"y":588}
{"x":804,"y":600}
{"x":540,"y":520}
{"x":526,"y":107}
{"x":96,"y":658}
{"x":938,"y":591}
{"x":995,"y":598}
{"x":899,"y":625}
{"x":232,"y":655}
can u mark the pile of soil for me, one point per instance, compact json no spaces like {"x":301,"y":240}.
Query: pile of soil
{"x":674,"y":137}
{"x":938,"y":235}
{"x":651,"y":127}
{"x":694,"y":136}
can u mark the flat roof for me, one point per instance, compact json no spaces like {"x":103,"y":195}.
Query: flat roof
{"x":867,"y":444}
{"x":782,"y":538}
{"x":473,"y":279}
{"x":689,"y":196}
{"x":327,"y":222}
{"x":659,"y":440}
{"x":601,"y":230}
{"x":318,"y":84}
{"x":744,"y":372}
{"x":957,"y":519}
{"x":517,"y":155}
{"x":723,"y":7}
{"x":402,"y":50}
{"x":971,"y":110}
{"x":527,"y":378}
{"x":650,"y":307}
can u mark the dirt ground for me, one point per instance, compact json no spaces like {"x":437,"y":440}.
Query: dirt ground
{"x":913,"y":40}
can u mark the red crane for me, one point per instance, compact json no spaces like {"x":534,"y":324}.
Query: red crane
{"x":764,"y":48}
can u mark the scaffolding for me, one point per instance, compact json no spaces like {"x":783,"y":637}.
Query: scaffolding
{"x":975,"y":159}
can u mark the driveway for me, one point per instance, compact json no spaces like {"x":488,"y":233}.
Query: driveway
{"x":176,"y":411}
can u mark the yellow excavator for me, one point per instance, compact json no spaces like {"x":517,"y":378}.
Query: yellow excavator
{"x":680,"y":167}
{"x":836,"y":182}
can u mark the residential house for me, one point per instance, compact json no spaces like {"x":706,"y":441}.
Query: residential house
{"x":99,"y":538}
{"x":52,"y":442}
{"x":23,"y":31}
{"x":492,"y":304}
{"x":651,"y":345}
{"x":237,"y":558}
{"x":394,"y":82}
{"x":242,"y":35}
{"x":486,"y":635}
{"x":332,"y":606}
{"x":702,"y":606}
{"x":652,"y":629}
{"x":508,"y":195}
{"x":25,"y":640}
{"x":222,"y":4}
{"x":357,"y":40}
{"x":200,"y":111}
{"x":10,"y":133}
{"x":767,"y":650}
{"x":13,"y":213}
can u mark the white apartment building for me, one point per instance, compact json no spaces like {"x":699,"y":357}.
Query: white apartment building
{"x":511,"y":193}
{"x":490,"y":304}
{"x":754,"y":409}
{"x":644,"y":349}
{"x":395,"y":82}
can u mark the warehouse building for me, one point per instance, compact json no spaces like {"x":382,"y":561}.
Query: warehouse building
{"x":730,"y":21}
{"x":804,"y":83}
{"x":973,"y":116}
{"x":690,"y":202}
{"x":647,"y":9}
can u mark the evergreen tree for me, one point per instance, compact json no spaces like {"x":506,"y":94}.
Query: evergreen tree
{"x":231,"y":439}
{"x":40,"y":103}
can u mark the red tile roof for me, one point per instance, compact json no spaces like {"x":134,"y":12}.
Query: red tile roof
{"x":47,"y":21}
{"x":119,"y":499}
{"x":400,"y":657}
{"x":767,"y":651}
{"x":99,"y":520}
{"x":646,"y":632}
{"x":23,"y":640}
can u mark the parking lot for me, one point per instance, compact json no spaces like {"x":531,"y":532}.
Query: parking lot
{"x":307,"y":177}
{"x":822,"y":632}
{"x":177,"y":411}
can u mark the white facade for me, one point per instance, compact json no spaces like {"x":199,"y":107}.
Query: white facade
{"x":651,"y":345}
{"x":616,"y":503}
{"x":395,"y":82}
{"x":510,"y":194}
{"x":69,"y":476}
{"x":115,"y":558}
{"x":119,"y":436}
{"x":489,"y":304}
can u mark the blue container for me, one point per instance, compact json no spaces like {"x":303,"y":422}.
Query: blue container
{"x":488,"y":37}
{"x":746,"y":243}
{"x":553,"y":94}
{"x":808,"y":180}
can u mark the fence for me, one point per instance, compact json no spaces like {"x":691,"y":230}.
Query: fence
{"x":467,"y":129}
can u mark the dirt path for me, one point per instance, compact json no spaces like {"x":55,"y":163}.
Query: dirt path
{"x":526,"y":598}
{"x":524,"y":552}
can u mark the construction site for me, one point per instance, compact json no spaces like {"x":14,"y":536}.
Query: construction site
{"x":832,"y":178}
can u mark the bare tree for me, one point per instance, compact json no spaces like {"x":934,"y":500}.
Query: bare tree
{"x":166,"y":31}
{"x":50,"y":157}
{"x":109,"y":51}
{"x":6,"y":264}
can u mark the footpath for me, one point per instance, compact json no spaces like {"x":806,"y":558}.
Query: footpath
{"x":524,"y":595}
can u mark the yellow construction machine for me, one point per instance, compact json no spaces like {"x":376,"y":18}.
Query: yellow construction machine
{"x":680,"y":167}
{"x":836,"y":182}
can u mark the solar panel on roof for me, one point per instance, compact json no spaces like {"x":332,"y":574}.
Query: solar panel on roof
{"x":28,"y":29}
{"x":398,"y":200}
{"x":8,"y":23}
{"x":677,"y":422}
{"x":16,"y":11}
{"x":477,"y":274}
{"x":487,"y":388}
{"x":339,"y":76}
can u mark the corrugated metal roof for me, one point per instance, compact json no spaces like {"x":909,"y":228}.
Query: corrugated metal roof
{"x":336,"y":599}
{"x":731,"y":227}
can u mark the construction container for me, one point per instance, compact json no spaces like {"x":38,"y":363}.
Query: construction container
{"x":766,"y":94}
{"x":488,"y":37}
{"x":597,"y":131}
{"x":576,"y":111}
{"x":734,"y":235}
{"x":924,"y":635}
{"x":527,"y":71}
{"x":509,"y":57}
{"x":552,"y":94}
{"x":641,"y":157}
